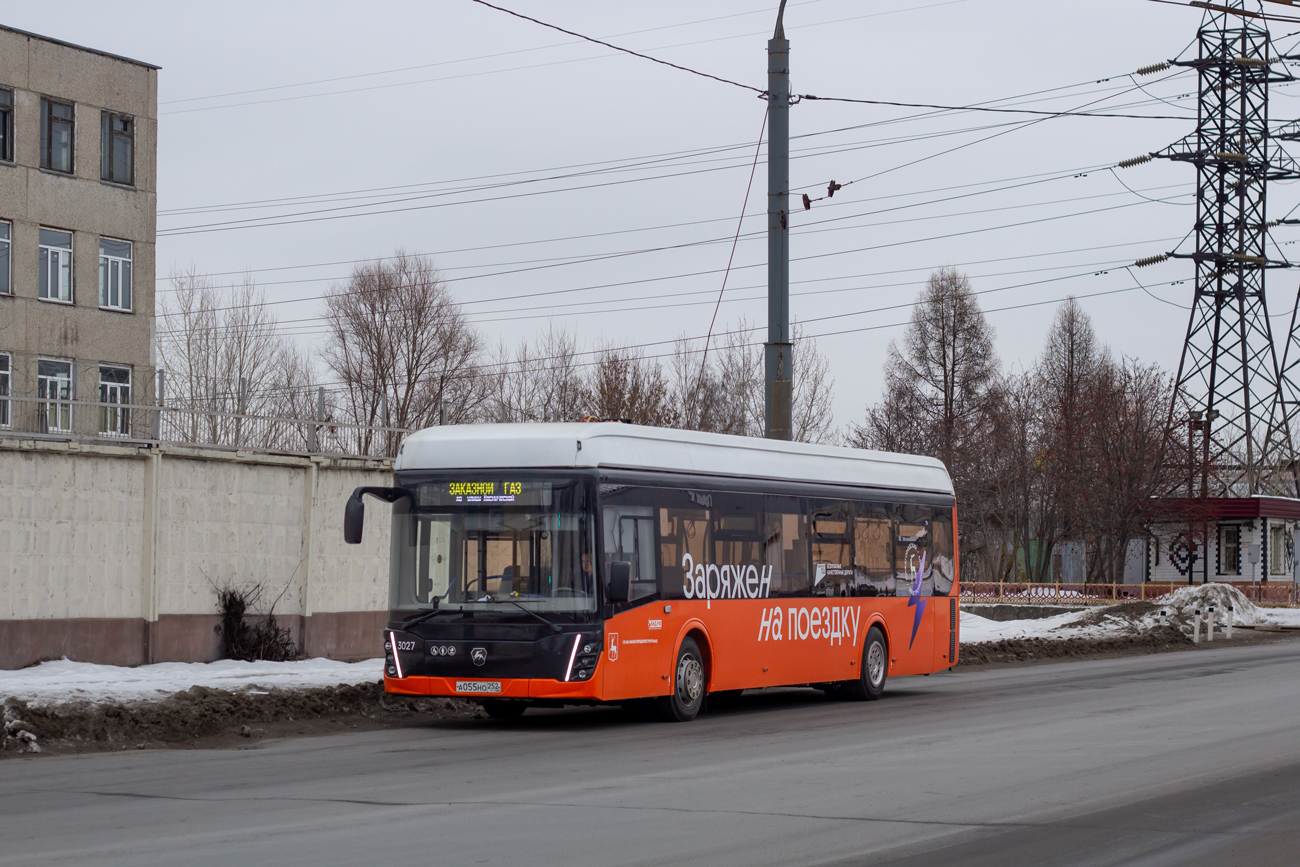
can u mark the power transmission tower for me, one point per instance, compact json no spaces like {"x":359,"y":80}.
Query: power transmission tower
{"x":1229,"y":386}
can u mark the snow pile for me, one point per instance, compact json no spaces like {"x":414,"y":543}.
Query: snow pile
{"x":979,"y":630}
{"x":1133,"y":618}
{"x":64,"y":680}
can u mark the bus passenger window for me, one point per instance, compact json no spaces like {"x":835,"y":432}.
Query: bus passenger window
{"x":737,"y":539}
{"x":873,"y":557}
{"x":945,"y":565}
{"x":630,"y":536}
{"x":912,"y":558}
{"x":832,"y":551}
{"x":785,"y":546}
{"x":681,"y":532}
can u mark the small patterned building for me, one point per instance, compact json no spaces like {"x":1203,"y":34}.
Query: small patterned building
{"x":1247,"y":539}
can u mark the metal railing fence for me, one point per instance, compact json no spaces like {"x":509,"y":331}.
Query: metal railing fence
{"x":1271,"y":594}
{"x":111,"y":422}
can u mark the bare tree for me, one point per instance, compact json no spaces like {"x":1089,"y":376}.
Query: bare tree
{"x":539,"y":381}
{"x":1126,"y":405}
{"x":695,"y":389}
{"x":225,"y":358}
{"x":813,"y":418}
{"x":402,"y":349}
{"x":938,"y":382}
{"x":624,"y":384}
{"x":723,"y":392}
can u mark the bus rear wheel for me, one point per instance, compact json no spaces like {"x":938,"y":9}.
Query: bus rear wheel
{"x":498,"y":709}
{"x":875,"y":668}
{"x":684,"y":702}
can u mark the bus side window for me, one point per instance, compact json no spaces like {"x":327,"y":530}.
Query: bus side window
{"x":832,"y":549}
{"x":873,"y":555}
{"x":433,"y":564}
{"x":736,"y":536}
{"x":945,"y":565}
{"x":785,"y":546}
{"x":630,"y":536}
{"x":912,"y":567}
{"x":681,"y":532}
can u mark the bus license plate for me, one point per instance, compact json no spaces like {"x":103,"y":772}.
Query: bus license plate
{"x":491,"y":686}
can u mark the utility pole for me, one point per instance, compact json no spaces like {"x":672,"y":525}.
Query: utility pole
{"x":778,"y":360}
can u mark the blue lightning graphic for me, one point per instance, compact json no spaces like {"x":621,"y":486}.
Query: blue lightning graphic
{"x":914,"y":599}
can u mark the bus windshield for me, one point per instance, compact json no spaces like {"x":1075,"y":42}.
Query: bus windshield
{"x":483,"y":543}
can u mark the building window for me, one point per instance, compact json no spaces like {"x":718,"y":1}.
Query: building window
{"x":56,"y":136}
{"x":1276,"y":549}
{"x":54,"y":390}
{"x":114,"y":274}
{"x":6,"y":287}
{"x":1230,"y":550}
{"x":115,"y":397}
{"x":56,"y":265}
{"x":117,"y":148}
{"x":6,"y":124}
{"x":5,"y":375}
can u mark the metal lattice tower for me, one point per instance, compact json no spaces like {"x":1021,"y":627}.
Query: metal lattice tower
{"x":1229,"y":384}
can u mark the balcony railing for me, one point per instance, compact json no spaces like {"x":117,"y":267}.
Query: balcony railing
{"x":108,"y":422}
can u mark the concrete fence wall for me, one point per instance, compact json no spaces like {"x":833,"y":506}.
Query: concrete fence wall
{"x":114,"y":554}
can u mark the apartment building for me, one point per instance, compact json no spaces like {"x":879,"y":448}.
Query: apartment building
{"x":78,"y":205}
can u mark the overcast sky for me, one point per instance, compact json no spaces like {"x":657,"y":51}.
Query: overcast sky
{"x":555,"y":180}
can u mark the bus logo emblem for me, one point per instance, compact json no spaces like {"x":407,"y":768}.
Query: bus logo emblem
{"x":479,"y":655}
{"x":613,"y":646}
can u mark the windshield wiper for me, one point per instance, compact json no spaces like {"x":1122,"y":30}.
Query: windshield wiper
{"x":420,"y":618}
{"x":554,"y":626}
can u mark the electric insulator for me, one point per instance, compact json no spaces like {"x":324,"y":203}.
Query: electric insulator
{"x":1134,"y":161}
{"x":1153,"y":68}
{"x":1150,"y":260}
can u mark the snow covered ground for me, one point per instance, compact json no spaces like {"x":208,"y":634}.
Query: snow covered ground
{"x":64,"y":680}
{"x":1119,"y":620}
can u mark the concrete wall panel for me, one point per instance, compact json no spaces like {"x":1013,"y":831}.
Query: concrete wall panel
{"x":349,"y":577}
{"x":73,"y":528}
{"x":72,"y":531}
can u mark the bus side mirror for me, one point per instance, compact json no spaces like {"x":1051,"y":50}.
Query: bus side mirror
{"x":620,"y":581}
{"x":354,"y":518}
{"x":354,"y":513}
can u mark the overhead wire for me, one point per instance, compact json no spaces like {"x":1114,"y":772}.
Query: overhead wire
{"x":593,"y":39}
{"x":534,"y":294}
{"x":472,"y":316}
{"x":734,"y":241}
{"x":1011,"y":184}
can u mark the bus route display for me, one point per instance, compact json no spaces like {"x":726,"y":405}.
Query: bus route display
{"x":485,"y":492}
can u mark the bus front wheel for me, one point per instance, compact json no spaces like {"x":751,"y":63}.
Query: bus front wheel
{"x":684,"y":702}
{"x":875,"y":668}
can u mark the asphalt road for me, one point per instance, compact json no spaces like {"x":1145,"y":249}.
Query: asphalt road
{"x":1177,"y":759}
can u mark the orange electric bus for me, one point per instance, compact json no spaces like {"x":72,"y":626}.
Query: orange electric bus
{"x":554,"y":564}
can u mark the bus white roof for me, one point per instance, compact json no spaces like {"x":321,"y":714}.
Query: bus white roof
{"x":610,"y":445}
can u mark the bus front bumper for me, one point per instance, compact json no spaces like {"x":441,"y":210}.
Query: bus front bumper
{"x":481,"y":688}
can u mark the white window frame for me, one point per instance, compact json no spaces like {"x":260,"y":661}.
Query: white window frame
{"x":111,"y":266}
{"x":1276,"y":548}
{"x":114,"y":422}
{"x":6,"y":388}
{"x":63,"y":268}
{"x":56,"y":409}
{"x":1226,"y":530}
{"x":7,"y":275}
